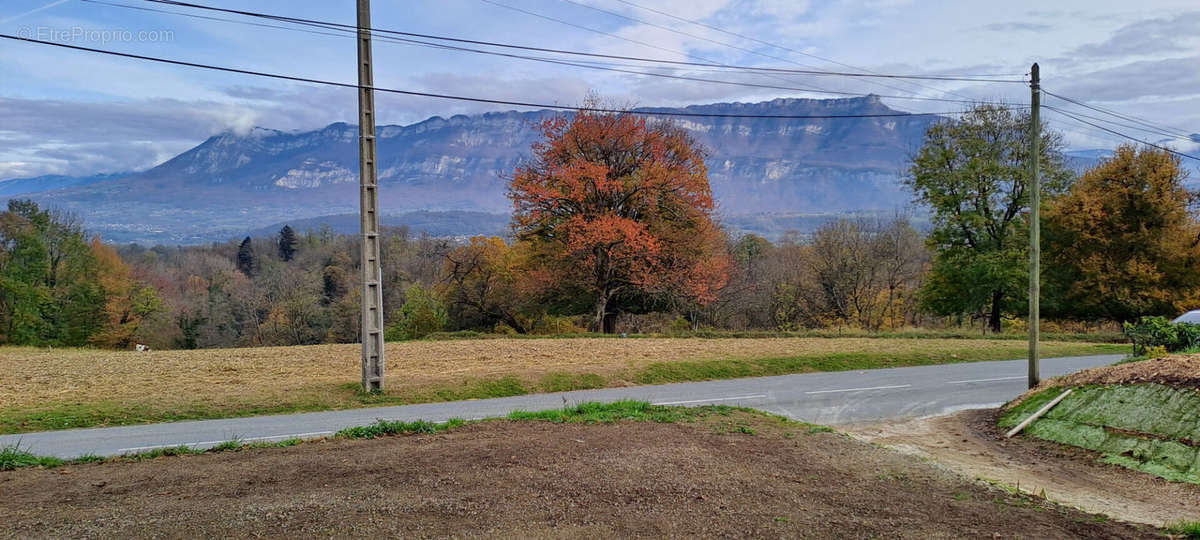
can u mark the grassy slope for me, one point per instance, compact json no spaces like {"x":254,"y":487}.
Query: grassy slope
{"x":60,"y":389}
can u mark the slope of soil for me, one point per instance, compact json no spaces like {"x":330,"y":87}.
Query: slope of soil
{"x":1177,"y":371}
{"x":739,"y":475}
{"x":971,"y":444}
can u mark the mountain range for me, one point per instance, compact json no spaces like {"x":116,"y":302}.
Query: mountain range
{"x":449,"y":175}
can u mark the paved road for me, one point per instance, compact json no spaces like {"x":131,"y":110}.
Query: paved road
{"x":823,"y":398}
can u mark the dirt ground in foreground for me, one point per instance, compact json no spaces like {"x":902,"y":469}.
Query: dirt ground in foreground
{"x":537,"y":480}
{"x":970,"y":443}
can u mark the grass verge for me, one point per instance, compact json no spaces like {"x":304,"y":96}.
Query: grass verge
{"x":75,"y":388}
{"x":14,"y":457}
{"x":704,"y":370}
{"x":1185,"y":529}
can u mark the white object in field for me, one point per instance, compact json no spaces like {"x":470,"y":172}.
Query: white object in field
{"x":141,"y":348}
{"x":1192,"y":316}
{"x":1038,"y":414}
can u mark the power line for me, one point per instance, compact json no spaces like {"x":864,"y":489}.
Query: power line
{"x":735,"y":47}
{"x":788,"y":49}
{"x":350,"y":32}
{"x":1121,"y":124}
{"x":680,"y":32}
{"x":1118,"y":115}
{"x":1119,"y":134}
{"x":388,"y":39}
{"x":643,"y":112}
{"x":694,"y":36}
{"x":211,"y":18}
{"x":374,"y":30}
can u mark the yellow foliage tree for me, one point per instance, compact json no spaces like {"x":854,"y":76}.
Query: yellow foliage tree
{"x":483,"y":286}
{"x":1122,"y":242}
{"x":127,"y":302}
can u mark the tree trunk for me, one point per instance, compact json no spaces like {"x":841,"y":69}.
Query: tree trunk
{"x":610,"y":323}
{"x":599,"y":312}
{"x":511,"y":321}
{"x":994,"y":318}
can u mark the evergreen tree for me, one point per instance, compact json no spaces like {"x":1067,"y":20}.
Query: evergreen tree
{"x":245,"y":257}
{"x":287,"y":243}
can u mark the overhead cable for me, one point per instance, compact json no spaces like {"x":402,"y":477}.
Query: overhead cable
{"x":642,"y":112}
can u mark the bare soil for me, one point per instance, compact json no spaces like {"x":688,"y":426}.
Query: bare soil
{"x":969,"y":443}
{"x":536,"y":479}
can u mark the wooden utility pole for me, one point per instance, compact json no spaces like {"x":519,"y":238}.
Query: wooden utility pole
{"x":1035,"y":226}
{"x":368,"y":182}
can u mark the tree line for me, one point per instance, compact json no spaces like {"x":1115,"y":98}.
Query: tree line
{"x":614,"y":230}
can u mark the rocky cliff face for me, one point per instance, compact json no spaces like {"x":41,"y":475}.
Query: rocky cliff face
{"x":232,"y":183}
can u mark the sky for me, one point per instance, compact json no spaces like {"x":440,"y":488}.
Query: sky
{"x":73,"y":112}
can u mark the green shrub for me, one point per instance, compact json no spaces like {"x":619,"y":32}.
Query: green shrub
{"x":555,"y":325}
{"x":679,"y":326}
{"x":1151,"y":332}
{"x":422,"y":314}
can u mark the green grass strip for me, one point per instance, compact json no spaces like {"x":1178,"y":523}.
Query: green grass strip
{"x":14,"y":457}
{"x":706,"y":370}
{"x":1091,"y":337}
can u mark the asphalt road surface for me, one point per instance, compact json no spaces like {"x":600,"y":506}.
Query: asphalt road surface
{"x":822,"y":398}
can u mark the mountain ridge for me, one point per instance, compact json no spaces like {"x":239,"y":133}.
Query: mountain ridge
{"x":231,"y":183}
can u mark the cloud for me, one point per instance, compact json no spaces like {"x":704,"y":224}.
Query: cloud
{"x":59,"y":136}
{"x":780,"y":8}
{"x":1172,"y":78}
{"x":562,"y":90}
{"x":1017,"y":27}
{"x":1146,"y":37}
{"x":63,"y":136}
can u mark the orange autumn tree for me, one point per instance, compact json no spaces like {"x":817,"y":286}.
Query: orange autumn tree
{"x":618,"y":216}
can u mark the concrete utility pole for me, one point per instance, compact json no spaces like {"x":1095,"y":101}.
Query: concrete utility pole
{"x":1035,"y":226}
{"x":368,"y":182}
